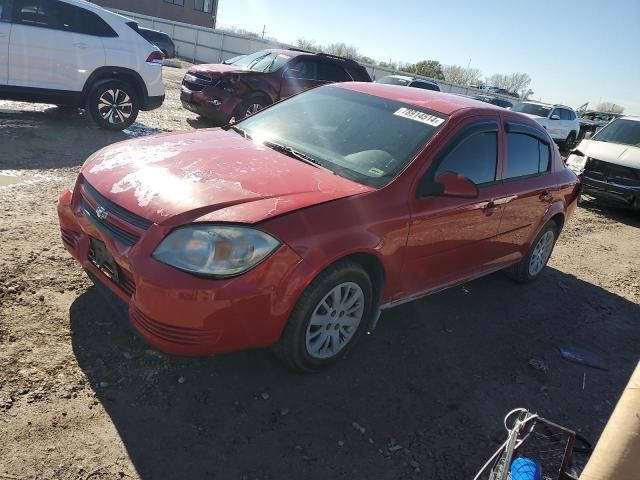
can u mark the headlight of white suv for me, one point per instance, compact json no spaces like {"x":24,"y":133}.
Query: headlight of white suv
{"x":576,"y":163}
{"x":215,"y":250}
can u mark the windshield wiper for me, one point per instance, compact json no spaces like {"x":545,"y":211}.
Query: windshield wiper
{"x":240,"y":131}
{"x":293,"y":153}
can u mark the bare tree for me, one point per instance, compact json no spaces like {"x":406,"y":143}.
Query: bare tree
{"x":610,"y":107}
{"x":342,"y":50}
{"x":305,"y":44}
{"x":461,"y":75}
{"x":515,"y":82}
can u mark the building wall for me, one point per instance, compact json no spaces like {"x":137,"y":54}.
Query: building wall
{"x":162,"y":9}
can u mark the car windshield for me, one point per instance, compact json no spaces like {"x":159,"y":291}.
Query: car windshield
{"x":532,"y":109}
{"x":622,"y":131}
{"x":269,"y":63}
{"x":365,"y":138}
{"x":390,"y":80}
{"x":262,"y":61}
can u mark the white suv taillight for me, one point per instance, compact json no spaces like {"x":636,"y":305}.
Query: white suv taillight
{"x":156,"y":57}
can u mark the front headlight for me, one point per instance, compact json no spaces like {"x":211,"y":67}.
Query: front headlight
{"x":215,"y":250}
{"x":576,"y":163}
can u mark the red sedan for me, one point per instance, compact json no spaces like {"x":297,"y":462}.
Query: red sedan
{"x":296,"y":227}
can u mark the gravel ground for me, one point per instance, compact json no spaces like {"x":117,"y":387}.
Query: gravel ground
{"x":82,"y":397}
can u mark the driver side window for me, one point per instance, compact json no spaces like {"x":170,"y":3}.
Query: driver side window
{"x":476,"y":157}
{"x":304,"y":70}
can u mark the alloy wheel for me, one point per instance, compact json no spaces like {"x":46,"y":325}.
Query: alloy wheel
{"x":253,"y":108}
{"x":541,"y":253}
{"x":335,"y":320}
{"x":115,"y":106}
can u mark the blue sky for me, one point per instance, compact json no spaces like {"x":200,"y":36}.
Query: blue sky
{"x":575,"y":51}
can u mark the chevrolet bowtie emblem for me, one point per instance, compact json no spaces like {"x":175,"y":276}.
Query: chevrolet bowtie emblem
{"x":102,"y":213}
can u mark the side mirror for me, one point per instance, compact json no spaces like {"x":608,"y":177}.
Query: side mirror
{"x":555,"y":116}
{"x":456,"y":185}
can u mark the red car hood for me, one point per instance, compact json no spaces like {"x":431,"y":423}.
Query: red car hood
{"x":209,"y":175}
{"x":215,"y":68}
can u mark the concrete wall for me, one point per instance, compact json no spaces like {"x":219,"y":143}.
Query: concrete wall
{"x":206,"y":45}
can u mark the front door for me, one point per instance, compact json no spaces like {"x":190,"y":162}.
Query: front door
{"x":451,"y":238}
{"x":47,"y":51}
{"x":299,"y":75}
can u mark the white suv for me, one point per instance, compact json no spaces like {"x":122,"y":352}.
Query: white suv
{"x":559,"y":120}
{"x":73,"y":54}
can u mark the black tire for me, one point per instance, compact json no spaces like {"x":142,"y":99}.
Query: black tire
{"x":520,"y":272}
{"x":292,"y":346}
{"x":126,"y":101}
{"x":570,"y":142}
{"x":244,"y":109}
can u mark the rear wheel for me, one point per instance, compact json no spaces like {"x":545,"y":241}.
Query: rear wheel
{"x":113,"y":104}
{"x":328,"y":319}
{"x":532,"y":264}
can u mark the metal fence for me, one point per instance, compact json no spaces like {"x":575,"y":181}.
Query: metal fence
{"x":206,"y":45}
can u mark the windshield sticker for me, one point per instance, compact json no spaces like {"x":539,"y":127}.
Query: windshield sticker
{"x":419,"y":116}
{"x":376,"y":171}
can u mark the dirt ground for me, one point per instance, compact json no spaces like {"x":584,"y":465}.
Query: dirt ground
{"x":82,"y":397}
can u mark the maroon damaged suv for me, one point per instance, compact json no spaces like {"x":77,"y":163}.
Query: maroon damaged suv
{"x":243,"y":85}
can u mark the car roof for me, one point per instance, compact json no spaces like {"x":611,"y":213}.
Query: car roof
{"x":444,"y":103}
{"x":552,"y":105}
{"x":629,"y":117}
{"x":103,"y":12}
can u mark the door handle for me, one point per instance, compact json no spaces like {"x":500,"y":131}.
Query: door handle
{"x":489,"y":208}
{"x":81,"y":45}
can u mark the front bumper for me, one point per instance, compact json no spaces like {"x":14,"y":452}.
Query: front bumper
{"x":622,"y":194}
{"x":182,"y":314}
{"x":212,"y":102}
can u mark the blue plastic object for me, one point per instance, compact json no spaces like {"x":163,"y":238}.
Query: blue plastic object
{"x":524,"y":468}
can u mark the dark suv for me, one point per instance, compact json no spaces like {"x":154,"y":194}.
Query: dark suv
{"x":243,"y":85}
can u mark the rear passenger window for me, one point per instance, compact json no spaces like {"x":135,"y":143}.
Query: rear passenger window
{"x":330,"y":72}
{"x":476,"y":158}
{"x":304,"y":70}
{"x":78,"y":20}
{"x":526,"y":156}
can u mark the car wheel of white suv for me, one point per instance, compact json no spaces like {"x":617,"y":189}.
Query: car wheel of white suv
{"x":113,"y":104}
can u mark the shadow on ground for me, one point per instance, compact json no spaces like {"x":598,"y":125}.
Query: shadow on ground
{"x":436,"y":377}
{"x":50,"y":128}
{"x":625,"y":215}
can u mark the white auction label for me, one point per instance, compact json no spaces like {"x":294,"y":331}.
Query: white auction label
{"x":419,"y":116}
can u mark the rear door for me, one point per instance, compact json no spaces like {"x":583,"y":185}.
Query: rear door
{"x":5,"y":31}
{"x":526,"y":179}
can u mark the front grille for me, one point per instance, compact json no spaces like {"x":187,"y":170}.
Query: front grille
{"x":196,"y":82}
{"x":171,"y":333}
{"x":106,"y":227}
{"x":68,"y":237}
{"x":114,"y":208}
{"x":612,"y":173}
{"x":124,"y":282}
{"x":91,"y":200}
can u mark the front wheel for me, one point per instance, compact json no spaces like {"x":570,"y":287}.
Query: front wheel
{"x":250,"y":106}
{"x":570,"y":142}
{"x":113,"y":105}
{"x":328,"y":319}
{"x":532,"y":264}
